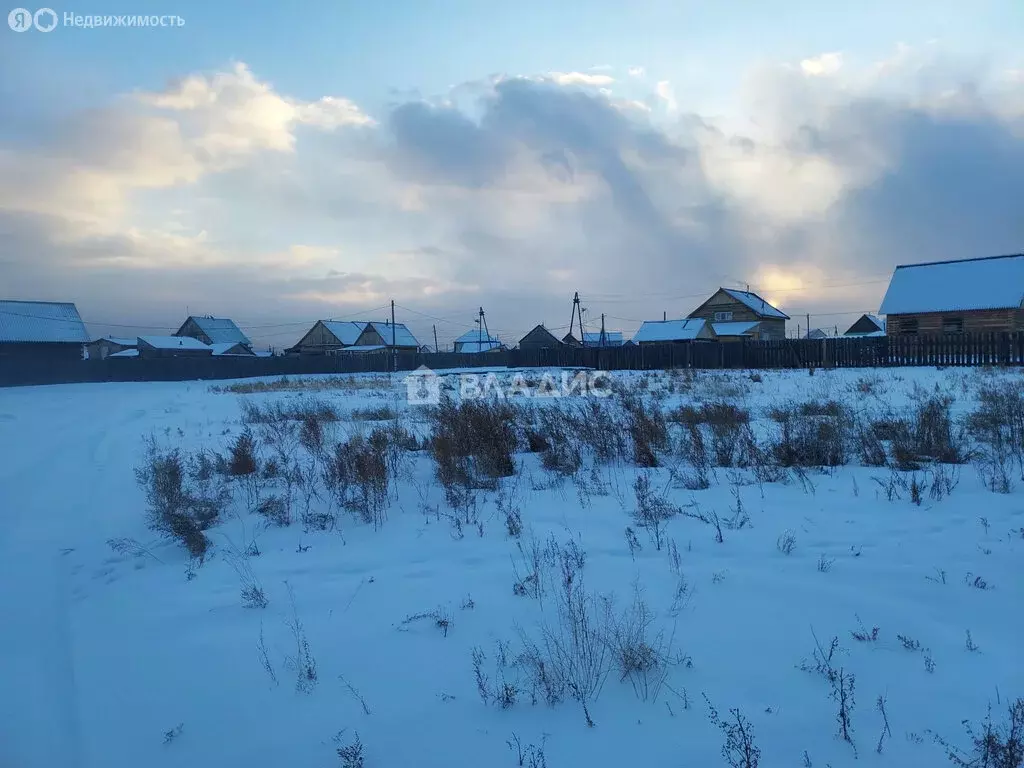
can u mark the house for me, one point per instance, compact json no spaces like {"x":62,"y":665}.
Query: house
{"x":816,"y":333}
{"x":611,"y":339}
{"x":729,"y":305}
{"x":674,"y":331}
{"x":328,"y":336}
{"x":41,"y":330}
{"x":963,"y":296}
{"x":392,"y":335}
{"x":106,"y":346}
{"x":213,"y":330}
{"x":570,"y":340}
{"x":172,"y":346}
{"x":232,"y":349}
{"x":477,"y":341}
{"x":737,"y":331}
{"x":867,"y":325}
{"x":539,"y":338}
{"x":357,"y":349}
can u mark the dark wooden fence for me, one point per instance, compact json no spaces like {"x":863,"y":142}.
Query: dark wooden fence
{"x":960,"y":349}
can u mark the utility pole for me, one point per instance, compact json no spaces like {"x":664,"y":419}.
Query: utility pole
{"x":394,"y":348}
{"x":480,"y":331}
{"x":808,"y":325}
{"x":576,"y":312}
{"x":602,"y":338}
{"x":435,"y":340}
{"x":664,"y":316}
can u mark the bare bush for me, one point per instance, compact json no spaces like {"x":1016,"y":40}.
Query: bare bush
{"x":645,"y":425}
{"x":641,"y":655}
{"x":812,"y":434}
{"x":992,"y":745}
{"x":351,"y":755}
{"x":652,"y":511}
{"x":303,"y":663}
{"x":739,"y":750}
{"x":786,"y":542}
{"x":185,"y":495}
{"x":473,"y":443}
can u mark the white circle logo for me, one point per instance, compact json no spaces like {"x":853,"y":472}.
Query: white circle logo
{"x":45,"y":20}
{"x":20,"y":20}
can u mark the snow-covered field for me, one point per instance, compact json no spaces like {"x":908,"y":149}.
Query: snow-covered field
{"x":143,"y":657}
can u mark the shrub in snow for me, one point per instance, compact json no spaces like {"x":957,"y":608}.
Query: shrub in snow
{"x":739,"y":750}
{"x":473,"y":443}
{"x":993,"y":745}
{"x":645,"y":425}
{"x":653,"y":511}
{"x":185,"y":495}
{"x":351,"y":755}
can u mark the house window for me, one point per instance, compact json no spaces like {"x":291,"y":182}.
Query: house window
{"x":723,"y":317}
{"x":952,"y":325}
{"x":908,"y":325}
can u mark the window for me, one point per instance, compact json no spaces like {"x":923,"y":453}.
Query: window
{"x":723,"y":317}
{"x":907,"y":325}
{"x":952,"y":325}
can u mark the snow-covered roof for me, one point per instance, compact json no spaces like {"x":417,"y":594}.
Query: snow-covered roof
{"x":816,"y":333}
{"x":876,"y":320}
{"x":364,"y":348}
{"x":403,"y":336}
{"x":173,"y":342}
{"x":872,"y":334}
{"x":734,"y":329}
{"x":611,"y":339}
{"x":126,"y":353}
{"x":476,"y":335}
{"x":994,"y":282}
{"x":346,"y":331}
{"x":220,"y":330}
{"x":669,"y":330}
{"x":476,"y":346}
{"x":756,"y":303}
{"x":41,"y":321}
{"x":123,"y":341}
{"x":224,"y":348}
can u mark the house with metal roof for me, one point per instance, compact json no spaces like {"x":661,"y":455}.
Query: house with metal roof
{"x":477,"y":341}
{"x":737,"y":331}
{"x":865,"y":326}
{"x":107,"y":346}
{"x":609,"y":339}
{"x":172,"y":346}
{"x":731,"y":305}
{"x":41,"y":330}
{"x":213,"y":330}
{"x":329,"y":337}
{"x":673,"y":331}
{"x":963,"y":296}
{"x":232,"y":349}
{"x":540,"y":338}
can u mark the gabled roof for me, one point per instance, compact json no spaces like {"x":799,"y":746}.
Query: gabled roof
{"x":816,"y":333}
{"x":220,"y":329}
{"x":125,"y":353}
{"x":476,"y":335}
{"x":867,"y":325}
{"x":736,"y":328}
{"x":994,"y":282}
{"x":172,"y":342}
{"x":121,"y":341}
{"x":224,"y":348}
{"x":611,"y":339}
{"x":346,"y":331}
{"x":542,"y":331}
{"x":364,"y":348}
{"x":476,"y":346}
{"x":41,"y":321}
{"x":403,"y":336}
{"x":669,"y":330}
{"x":757,"y":304}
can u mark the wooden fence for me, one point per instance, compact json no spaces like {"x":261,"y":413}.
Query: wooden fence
{"x":953,"y":350}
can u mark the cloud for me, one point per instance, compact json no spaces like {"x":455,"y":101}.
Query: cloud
{"x":511,"y":193}
{"x":580,"y":78}
{"x":636,"y":71}
{"x":667,"y":94}
{"x":823,"y":65}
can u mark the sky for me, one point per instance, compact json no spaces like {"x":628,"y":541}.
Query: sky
{"x":281,"y":165}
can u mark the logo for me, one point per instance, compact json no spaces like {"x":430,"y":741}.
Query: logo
{"x":22,"y":20}
{"x":45,"y":19}
{"x":423,"y":387}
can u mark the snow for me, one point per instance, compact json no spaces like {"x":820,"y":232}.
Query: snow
{"x":221,"y":330}
{"x":402,"y":336}
{"x":468,"y":347}
{"x":173,"y":342}
{"x":953,"y":286}
{"x":756,"y":303}
{"x":346,"y":331}
{"x":669,"y":330}
{"x":102,"y":654}
{"x":125,"y":353}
